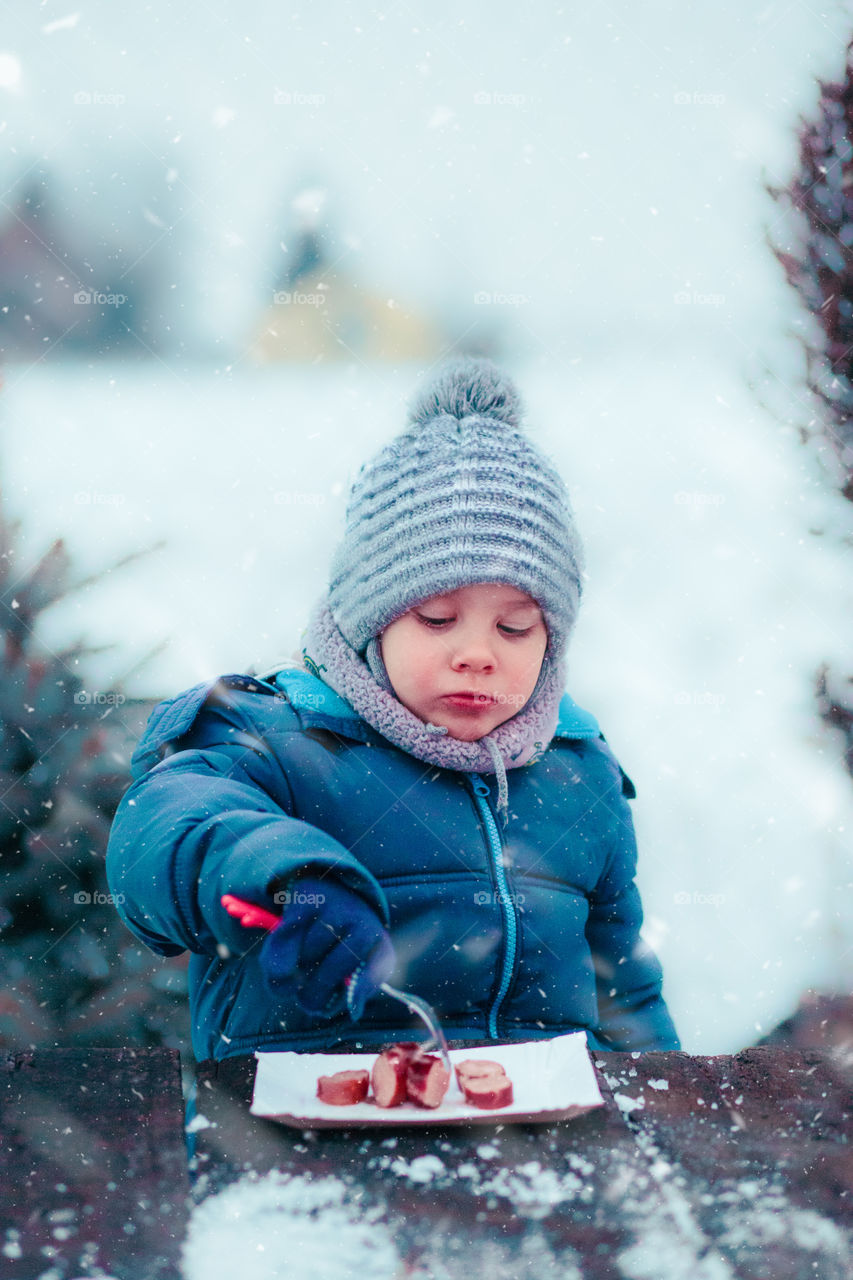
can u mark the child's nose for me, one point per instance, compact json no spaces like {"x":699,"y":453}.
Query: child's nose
{"x":473,"y":654}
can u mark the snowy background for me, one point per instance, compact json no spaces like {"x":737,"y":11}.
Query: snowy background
{"x":589,"y":186}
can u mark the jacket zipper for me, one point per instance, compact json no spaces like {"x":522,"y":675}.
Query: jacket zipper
{"x":481,"y":790}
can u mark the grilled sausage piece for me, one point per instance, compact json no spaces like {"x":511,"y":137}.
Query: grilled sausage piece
{"x":427,"y":1080}
{"x":473,"y":1067}
{"x":487,"y":1092}
{"x":343,"y":1088}
{"x":389,"y":1074}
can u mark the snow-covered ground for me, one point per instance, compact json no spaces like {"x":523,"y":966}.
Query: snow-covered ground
{"x":718,"y":580}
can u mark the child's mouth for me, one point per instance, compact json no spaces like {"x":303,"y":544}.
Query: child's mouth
{"x":470,"y":701}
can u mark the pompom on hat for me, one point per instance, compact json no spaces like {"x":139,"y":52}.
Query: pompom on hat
{"x":461,"y":496}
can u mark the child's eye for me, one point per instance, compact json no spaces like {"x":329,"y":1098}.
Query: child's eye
{"x":509,"y":631}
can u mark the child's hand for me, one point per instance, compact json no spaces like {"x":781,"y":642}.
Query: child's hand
{"x":327,"y":935}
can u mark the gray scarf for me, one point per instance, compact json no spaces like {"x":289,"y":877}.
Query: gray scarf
{"x":365,"y":686}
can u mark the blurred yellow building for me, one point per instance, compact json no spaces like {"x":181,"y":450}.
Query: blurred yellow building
{"x":322,"y":313}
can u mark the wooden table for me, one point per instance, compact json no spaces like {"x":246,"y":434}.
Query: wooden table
{"x":93,"y":1169}
{"x":736,"y":1166}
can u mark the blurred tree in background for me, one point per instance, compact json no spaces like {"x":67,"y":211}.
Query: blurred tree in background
{"x":817,"y":256}
{"x":72,"y":975}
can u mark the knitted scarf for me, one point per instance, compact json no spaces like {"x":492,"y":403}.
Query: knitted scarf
{"x":518,"y":741}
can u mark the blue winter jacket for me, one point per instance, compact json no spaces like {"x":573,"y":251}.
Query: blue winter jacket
{"x":512,"y":933}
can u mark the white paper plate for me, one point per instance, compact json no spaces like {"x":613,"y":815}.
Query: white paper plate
{"x":551,"y":1079}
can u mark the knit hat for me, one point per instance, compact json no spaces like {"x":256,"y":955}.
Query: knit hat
{"x":461,"y":496}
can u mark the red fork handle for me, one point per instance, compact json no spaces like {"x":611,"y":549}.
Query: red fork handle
{"x":249,"y":915}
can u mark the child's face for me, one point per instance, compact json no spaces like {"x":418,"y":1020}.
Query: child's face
{"x":488,"y":639}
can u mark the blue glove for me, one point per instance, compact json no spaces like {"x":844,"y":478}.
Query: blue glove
{"x":330,"y":949}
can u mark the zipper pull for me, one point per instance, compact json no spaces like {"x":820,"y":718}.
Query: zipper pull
{"x":479,"y":787}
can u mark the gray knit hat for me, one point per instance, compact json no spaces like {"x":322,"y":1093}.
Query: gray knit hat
{"x":461,"y":496}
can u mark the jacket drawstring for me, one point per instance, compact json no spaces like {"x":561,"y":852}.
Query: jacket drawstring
{"x":500,"y":774}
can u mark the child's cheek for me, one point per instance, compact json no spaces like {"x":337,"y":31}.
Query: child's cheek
{"x":427,"y":672}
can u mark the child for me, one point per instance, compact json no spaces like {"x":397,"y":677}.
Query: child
{"x":420,"y":801}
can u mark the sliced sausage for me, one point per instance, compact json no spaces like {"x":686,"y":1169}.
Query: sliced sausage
{"x":343,"y":1088}
{"x":427,"y":1080}
{"x":389,"y":1078}
{"x":487,"y":1092}
{"x":473,"y":1067}
{"x":389,"y":1073}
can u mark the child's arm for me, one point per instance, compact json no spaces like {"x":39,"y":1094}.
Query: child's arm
{"x":632,"y":1012}
{"x":215,"y":818}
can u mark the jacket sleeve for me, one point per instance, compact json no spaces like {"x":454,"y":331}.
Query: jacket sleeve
{"x":214,"y":817}
{"x":631,"y":1009}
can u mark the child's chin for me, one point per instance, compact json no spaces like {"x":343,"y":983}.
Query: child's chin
{"x":463,"y":730}
{"x":467,"y":735}
{"x":469,"y":732}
